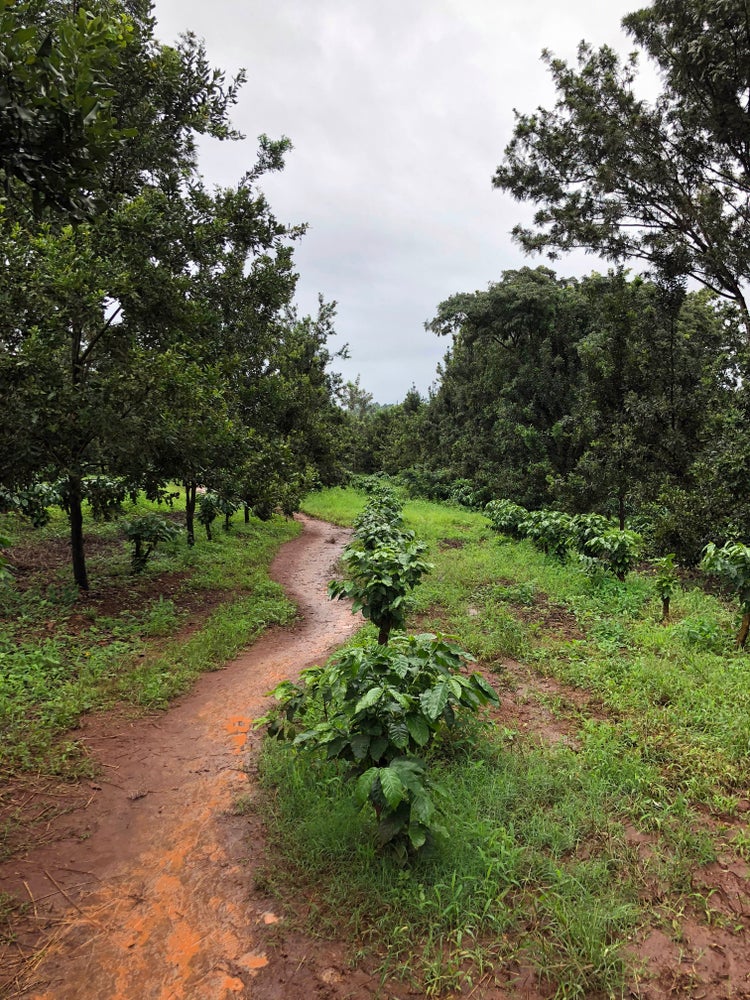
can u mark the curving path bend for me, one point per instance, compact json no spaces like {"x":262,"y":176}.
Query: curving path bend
{"x":167,"y":911}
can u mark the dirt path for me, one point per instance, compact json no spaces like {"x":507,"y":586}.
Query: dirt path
{"x":149,"y":895}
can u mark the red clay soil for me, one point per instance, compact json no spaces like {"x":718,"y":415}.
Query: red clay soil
{"x":148,"y":890}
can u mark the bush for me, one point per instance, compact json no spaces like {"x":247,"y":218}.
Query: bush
{"x":145,"y":533}
{"x":383,"y":706}
{"x":506,"y":517}
{"x":731,"y":564}
{"x":549,"y":530}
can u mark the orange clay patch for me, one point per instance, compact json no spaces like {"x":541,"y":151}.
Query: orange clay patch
{"x":232,"y":985}
{"x":237,"y":728}
{"x":252,"y":961}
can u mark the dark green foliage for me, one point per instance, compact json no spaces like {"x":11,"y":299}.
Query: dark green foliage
{"x":383,"y":707}
{"x":507,"y":517}
{"x":33,"y":502}
{"x":209,"y":508}
{"x":613,"y":550}
{"x":145,"y":533}
{"x":384,"y":562}
{"x":664,"y":182}
{"x":666,"y":583}
{"x":731,"y":563}
{"x":549,"y":530}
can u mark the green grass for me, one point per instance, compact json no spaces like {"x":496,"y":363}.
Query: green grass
{"x":540,"y":867}
{"x":62,"y":655}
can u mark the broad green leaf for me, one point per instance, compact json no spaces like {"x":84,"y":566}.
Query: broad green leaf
{"x":422,"y":809}
{"x":418,"y":729}
{"x":360,"y":744}
{"x":417,"y":835}
{"x":434,"y":701}
{"x":368,"y":699}
{"x":391,"y":786}
{"x":364,"y":785}
{"x":399,"y":734}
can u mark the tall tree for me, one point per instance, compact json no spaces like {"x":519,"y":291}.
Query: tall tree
{"x":57,"y":124}
{"x":666,"y":182}
{"x":501,"y":415}
{"x":162,"y":284}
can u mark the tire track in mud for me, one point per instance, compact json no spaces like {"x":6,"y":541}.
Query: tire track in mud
{"x":167,"y":912}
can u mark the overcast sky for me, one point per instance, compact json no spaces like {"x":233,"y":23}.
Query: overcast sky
{"x":399,"y":111}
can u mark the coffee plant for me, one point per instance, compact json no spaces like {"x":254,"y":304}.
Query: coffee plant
{"x":145,"y":533}
{"x":666,"y":583}
{"x":548,"y":530}
{"x":381,"y":708}
{"x":506,"y":517}
{"x":731,"y":563}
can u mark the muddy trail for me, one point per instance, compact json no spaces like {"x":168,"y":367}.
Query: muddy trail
{"x":147,"y":891}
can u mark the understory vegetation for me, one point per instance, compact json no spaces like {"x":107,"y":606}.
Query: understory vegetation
{"x":137,"y":640}
{"x":567,"y":839}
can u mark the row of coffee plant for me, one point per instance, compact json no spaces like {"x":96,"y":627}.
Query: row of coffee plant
{"x":382,"y":705}
{"x":602,"y":546}
{"x":599,"y":543}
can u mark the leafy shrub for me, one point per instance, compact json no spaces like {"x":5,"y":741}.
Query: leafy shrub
{"x":227,"y":507}
{"x":32,"y":502}
{"x":431,"y":484}
{"x":383,"y":706}
{"x":549,"y":530}
{"x":209,"y":508}
{"x":666,"y":583}
{"x":613,"y":550}
{"x":380,"y":579}
{"x":106,"y":496}
{"x":145,"y":533}
{"x":588,"y":526}
{"x":731,"y":563}
{"x":506,"y":517}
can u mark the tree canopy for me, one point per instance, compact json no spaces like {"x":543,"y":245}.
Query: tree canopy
{"x":666,"y":182}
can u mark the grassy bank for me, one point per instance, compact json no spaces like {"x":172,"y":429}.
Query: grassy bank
{"x":563,"y":853}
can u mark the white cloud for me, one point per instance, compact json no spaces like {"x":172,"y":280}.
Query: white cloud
{"x":399,"y":111}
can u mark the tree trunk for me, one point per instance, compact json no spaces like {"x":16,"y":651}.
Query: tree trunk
{"x":75,"y":492}
{"x":247,"y":514}
{"x":190,"y":491}
{"x":665,"y":609}
{"x":744,"y":628}
{"x":621,"y":510}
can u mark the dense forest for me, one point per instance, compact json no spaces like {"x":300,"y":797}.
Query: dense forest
{"x":614,"y":394}
{"x":620,"y":394}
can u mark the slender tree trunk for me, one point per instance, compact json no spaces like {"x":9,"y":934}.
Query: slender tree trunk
{"x":385,"y":631}
{"x":75,"y":495}
{"x":247,"y":513}
{"x":744,"y":629}
{"x":190,"y":491}
{"x":621,"y":509}
{"x":665,"y":609}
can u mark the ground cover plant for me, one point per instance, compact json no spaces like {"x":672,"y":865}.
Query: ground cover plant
{"x":134,"y":640}
{"x":563,"y":852}
{"x":381,"y":706}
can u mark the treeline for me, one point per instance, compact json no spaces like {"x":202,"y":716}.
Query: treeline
{"x":147,"y":333}
{"x":617,"y":395}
